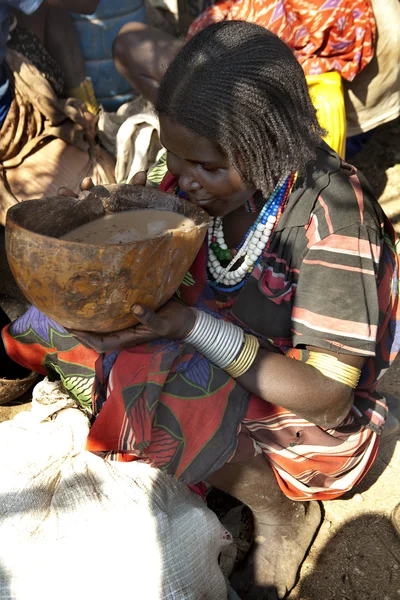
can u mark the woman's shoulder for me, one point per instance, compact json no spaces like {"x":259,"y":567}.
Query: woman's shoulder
{"x":348,"y":201}
{"x":333,"y":195}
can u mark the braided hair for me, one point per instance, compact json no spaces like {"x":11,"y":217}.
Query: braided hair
{"x":240,"y":86}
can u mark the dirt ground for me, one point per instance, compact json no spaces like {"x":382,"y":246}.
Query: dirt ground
{"x":356,"y":554}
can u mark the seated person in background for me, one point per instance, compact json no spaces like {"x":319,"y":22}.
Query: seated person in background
{"x":265,"y":380}
{"x":54,"y":28}
{"x":45,"y":19}
{"x":44,"y":138}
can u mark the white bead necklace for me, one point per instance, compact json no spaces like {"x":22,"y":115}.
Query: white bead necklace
{"x":252,"y":245}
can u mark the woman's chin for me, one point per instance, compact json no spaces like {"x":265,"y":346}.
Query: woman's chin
{"x":219,"y":210}
{"x":214,"y":207}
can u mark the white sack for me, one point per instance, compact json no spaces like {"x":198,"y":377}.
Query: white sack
{"x":74,"y":526}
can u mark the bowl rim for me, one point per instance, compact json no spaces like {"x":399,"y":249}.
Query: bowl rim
{"x":12,"y":222}
{"x":72,"y":243}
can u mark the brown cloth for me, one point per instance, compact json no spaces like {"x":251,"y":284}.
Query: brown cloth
{"x":45,"y":142}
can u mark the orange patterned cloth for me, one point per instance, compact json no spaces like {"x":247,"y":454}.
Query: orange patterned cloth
{"x":325,"y":35}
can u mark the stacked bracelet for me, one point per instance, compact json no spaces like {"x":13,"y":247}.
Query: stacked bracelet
{"x":223,"y":343}
{"x":247,"y":356}
{"x":219,"y":340}
{"x":333,"y":368}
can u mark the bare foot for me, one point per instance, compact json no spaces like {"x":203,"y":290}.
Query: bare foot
{"x":270,"y":569}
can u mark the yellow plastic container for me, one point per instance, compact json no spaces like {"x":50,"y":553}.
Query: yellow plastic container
{"x":85,"y":93}
{"x":326,"y":93}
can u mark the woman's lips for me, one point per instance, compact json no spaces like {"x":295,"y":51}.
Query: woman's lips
{"x":201,"y":201}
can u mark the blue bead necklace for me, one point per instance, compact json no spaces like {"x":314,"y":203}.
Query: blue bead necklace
{"x":251,"y":248}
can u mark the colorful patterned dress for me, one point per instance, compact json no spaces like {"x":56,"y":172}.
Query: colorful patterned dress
{"x":329,"y":279}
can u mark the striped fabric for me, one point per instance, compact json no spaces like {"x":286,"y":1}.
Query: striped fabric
{"x":310,"y":463}
{"x":330,"y":279}
{"x":157,"y":172}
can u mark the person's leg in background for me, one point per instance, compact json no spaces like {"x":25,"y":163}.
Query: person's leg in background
{"x":60,"y":34}
{"x":142,"y":55}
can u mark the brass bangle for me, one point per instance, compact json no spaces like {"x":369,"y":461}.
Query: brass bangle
{"x":246,"y":357}
{"x":336,"y":368}
{"x":333,"y":368}
{"x":236,"y":369}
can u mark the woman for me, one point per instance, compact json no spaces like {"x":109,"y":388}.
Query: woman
{"x":267,"y":389}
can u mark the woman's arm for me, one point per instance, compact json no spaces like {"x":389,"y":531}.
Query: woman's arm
{"x":280,"y":380}
{"x":300,"y":387}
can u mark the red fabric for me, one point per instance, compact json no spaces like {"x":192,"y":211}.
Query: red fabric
{"x":325,"y":35}
{"x":136,"y":375}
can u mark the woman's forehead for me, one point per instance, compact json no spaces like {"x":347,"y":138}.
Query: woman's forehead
{"x":187,"y":144}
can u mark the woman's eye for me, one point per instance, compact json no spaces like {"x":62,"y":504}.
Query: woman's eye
{"x":209,"y":169}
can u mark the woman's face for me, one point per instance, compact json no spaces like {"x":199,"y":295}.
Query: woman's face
{"x":203,"y":171}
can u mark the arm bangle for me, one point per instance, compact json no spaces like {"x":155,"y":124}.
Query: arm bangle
{"x":246,"y":358}
{"x":218,"y":340}
{"x":333,"y":368}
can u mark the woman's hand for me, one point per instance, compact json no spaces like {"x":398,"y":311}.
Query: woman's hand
{"x":87,"y":184}
{"x":173,"y":321}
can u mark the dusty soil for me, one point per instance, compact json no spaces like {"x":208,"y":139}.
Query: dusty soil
{"x":380,"y":162}
{"x":356,"y":554}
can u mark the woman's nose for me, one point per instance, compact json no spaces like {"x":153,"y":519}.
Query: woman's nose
{"x":183,"y":172}
{"x":187,"y":183}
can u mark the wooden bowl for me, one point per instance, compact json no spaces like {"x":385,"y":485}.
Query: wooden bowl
{"x":93,"y":287}
{"x":11,"y":389}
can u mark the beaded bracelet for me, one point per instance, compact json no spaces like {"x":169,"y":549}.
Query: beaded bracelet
{"x":333,"y":368}
{"x":246,"y":358}
{"x":218,"y":340}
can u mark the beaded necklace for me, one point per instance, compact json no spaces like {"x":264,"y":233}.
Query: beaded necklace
{"x":255,"y":203}
{"x":251,"y":248}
